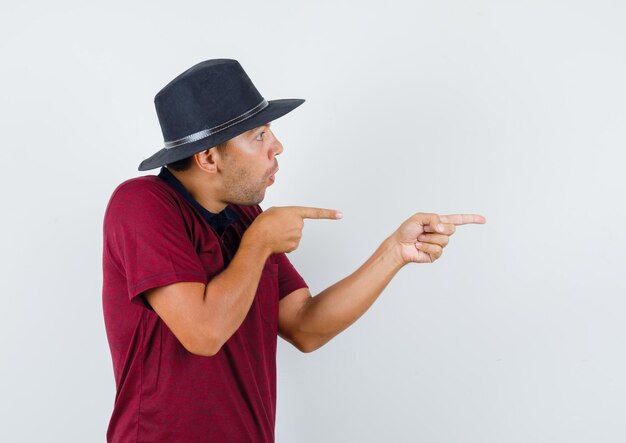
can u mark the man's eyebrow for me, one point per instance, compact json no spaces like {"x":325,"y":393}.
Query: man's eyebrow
{"x":265,"y":125}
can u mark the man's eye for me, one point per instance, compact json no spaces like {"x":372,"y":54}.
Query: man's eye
{"x":260,"y":136}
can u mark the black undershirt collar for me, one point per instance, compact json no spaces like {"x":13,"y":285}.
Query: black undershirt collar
{"x":218,"y":221}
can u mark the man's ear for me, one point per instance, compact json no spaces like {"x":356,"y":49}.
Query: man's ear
{"x":208,"y":159}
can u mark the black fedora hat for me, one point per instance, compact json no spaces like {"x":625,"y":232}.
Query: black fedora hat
{"x":209,"y":103}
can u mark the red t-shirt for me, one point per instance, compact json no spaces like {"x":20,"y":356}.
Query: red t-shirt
{"x":154,"y":236}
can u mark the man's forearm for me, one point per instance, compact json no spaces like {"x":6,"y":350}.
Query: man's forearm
{"x":231,"y":293}
{"x":340,"y":305}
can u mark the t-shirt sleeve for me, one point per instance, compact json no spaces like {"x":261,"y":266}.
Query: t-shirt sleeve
{"x":288,"y":278}
{"x":148,"y":241}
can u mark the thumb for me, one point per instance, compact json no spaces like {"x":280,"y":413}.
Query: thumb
{"x":430,"y":219}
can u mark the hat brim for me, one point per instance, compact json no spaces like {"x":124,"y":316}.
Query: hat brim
{"x":274,"y":110}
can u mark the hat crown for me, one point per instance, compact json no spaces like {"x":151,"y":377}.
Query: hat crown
{"x":206,"y":95}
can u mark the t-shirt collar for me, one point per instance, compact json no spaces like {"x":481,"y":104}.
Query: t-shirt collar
{"x":218,"y":221}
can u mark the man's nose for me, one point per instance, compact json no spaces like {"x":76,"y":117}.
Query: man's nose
{"x":277,"y":146}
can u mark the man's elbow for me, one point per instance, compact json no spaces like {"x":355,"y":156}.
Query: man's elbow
{"x":202,"y":346}
{"x":306,"y":350}
{"x":307,"y":346}
{"x":202,"y":351}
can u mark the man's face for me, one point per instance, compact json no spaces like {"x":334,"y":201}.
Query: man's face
{"x":248,"y":162}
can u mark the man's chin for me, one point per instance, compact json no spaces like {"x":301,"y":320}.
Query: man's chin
{"x":252,"y":202}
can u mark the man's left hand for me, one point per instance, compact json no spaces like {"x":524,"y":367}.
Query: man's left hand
{"x":423,"y":236}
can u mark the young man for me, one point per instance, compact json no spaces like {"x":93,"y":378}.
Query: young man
{"x":197,"y":283}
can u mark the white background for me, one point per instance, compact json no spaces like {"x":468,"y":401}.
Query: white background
{"x":510,"y":109}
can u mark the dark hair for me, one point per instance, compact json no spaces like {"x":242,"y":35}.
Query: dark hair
{"x":185,"y":163}
{"x":181,"y":165}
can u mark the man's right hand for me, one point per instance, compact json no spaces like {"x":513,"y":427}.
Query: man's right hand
{"x":279,"y":228}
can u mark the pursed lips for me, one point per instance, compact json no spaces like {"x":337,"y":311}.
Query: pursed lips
{"x":272,"y":177}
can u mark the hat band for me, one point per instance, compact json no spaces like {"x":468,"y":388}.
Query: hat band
{"x":206,"y":132}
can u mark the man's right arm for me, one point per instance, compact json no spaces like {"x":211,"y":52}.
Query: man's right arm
{"x":203,"y":317}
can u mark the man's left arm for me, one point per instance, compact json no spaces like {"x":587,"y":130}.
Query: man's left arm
{"x":310,"y":322}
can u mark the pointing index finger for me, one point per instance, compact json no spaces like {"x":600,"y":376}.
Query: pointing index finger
{"x":318,"y":213}
{"x":463,"y":219}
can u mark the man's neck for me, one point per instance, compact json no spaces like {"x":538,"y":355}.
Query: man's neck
{"x":199,"y":192}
